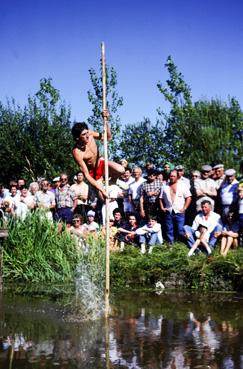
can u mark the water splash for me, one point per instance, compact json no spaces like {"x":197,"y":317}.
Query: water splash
{"x":89,"y":299}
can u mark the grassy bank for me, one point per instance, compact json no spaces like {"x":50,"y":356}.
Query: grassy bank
{"x":174,"y":269}
{"x":35,"y":252}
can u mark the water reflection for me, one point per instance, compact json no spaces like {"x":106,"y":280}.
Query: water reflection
{"x":172,"y":331}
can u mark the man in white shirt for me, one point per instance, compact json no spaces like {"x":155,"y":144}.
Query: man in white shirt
{"x":228,"y":193}
{"x":205,"y":187}
{"x":134,"y":191}
{"x":206,"y":218}
{"x":81,"y":190}
{"x":175,"y":198}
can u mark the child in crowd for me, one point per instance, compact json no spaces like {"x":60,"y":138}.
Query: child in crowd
{"x":150,"y":234}
{"x":202,"y":235}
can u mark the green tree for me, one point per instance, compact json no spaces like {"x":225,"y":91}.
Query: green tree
{"x":200,"y":132}
{"x":143,"y":142}
{"x":114,"y":102}
{"x":36,"y":140}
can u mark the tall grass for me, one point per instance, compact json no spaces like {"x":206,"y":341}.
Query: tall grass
{"x":35,"y":252}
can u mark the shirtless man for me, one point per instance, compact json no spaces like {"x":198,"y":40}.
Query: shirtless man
{"x":86,"y":155}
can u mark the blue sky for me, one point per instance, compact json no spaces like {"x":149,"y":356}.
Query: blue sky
{"x":61,"y":39}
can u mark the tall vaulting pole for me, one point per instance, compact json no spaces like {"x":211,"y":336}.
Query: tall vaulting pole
{"x":104,"y":103}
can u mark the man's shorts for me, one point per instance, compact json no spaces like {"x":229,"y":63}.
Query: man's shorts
{"x":99,"y":172}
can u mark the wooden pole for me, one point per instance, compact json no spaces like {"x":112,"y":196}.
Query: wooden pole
{"x":104,"y":106}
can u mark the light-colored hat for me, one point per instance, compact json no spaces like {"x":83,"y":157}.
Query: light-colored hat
{"x":56,"y":179}
{"x":91,"y":213}
{"x":179,"y":167}
{"x":206,"y":168}
{"x":230,"y":172}
{"x":218,"y":166}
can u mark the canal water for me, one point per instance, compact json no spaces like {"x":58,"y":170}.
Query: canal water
{"x":145,"y":330}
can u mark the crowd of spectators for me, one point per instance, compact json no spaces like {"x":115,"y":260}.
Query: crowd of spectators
{"x":145,"y":208}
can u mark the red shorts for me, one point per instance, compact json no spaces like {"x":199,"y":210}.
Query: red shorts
{"x":99,"y":172}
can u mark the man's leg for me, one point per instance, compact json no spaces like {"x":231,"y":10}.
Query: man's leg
{"x":189,"y":235}
{"x":180,"y":221}
{"x":169,"y":227}
{"x":212,"y":238}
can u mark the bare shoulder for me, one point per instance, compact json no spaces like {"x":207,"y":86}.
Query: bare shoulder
{"x":78,"y":154}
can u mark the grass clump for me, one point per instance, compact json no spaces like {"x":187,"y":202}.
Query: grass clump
{"x":35,"y":252}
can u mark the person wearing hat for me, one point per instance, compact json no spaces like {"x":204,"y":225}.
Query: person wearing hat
{"x":181,"y":172}
{"x":150,"y":191}
{"x":205,"y":187}
{"x":229,"y":193}
{"x":91,"y":225}
{"x":219,"y":175}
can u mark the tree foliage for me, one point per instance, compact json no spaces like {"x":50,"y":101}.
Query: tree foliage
{"x":203,"y":131}
{"x":35,"y":140}
{"x":114,"y":102}
{"x":143,"y":142}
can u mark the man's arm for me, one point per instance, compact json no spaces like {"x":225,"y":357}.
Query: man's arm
{"x":100,"y":136}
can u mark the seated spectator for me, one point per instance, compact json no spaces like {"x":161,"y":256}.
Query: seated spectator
{"x":209,"y":219}
{"x":118,"y":219}
{"x":113,"y":241}
{"x":228,"y":193}
{"x":126,"y":235}
{"x":205,"y":187}
{"x":202,"y":237}
{"x":150,"y":234}
{"x":45,"y":200}
{"x":79,"y":231}
{"x":91,"y":226}
{"x":229,"y":234}
{"x":7,"y":210}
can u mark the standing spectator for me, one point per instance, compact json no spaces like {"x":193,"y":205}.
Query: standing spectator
{"x":114,"y":192}
{"x":124,"y":182}
{"x":135,"y":191}
{"x":205,"y":187}
{"x":192,"y":209}
{"x":33,"y":188}
{"x":81,"y":190}
{"x":168,"y":166}
{"x":25,"y":203}
{"x":219,"y":175}
{"x":229,"y":193}
{"x":150,"y":191}
{"x":45,"y":200}
{"x":240,"y":211}
{"x":181,"y":175}
{"x":175,"y":198}
{"x":208,"y":219}
{"x":66,"y":201}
